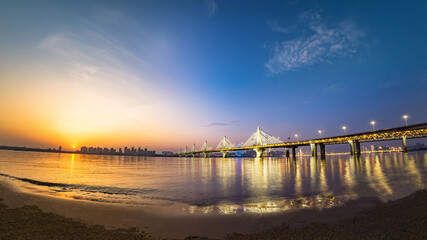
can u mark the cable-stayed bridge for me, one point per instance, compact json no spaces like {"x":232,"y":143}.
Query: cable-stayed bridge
{"x":259,"y":141}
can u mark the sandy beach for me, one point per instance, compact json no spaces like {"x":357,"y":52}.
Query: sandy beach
{"x":32,"y":216}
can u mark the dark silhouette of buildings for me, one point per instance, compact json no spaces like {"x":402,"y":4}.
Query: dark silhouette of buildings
{"x":112,"y":151}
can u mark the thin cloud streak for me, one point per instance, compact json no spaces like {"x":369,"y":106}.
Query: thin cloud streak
{"x":216,"y":124}
{"x":335,"y":87}
{"x":274,"y":26}
{"x":211,"y":7}
{"x":323,"y":42}
{"x":108,"y":88}
{"x":95,"y":62}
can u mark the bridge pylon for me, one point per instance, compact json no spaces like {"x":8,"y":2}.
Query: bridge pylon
{"x":205,"y":147}
{"x":193,"y":149}
{"x":185,"y":151}
{"x":352,"y":147}
{"x":258,"y":139}
{"x":223,"y":145}
{"x":259,"y":152}
{"x":322,"y":151}
{"x":224,"y":153}
{"x":313,"y":147}
{"x":404,"y":146}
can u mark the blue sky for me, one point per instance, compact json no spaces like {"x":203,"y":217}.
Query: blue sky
{"x":166,"y":74}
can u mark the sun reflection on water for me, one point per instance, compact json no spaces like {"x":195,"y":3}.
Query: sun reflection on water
{"x":216,"y":185}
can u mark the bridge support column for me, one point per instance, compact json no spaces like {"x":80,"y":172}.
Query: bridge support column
{"x":224,"y":154}
{"x":205,"y":155}
{"x":322,"y":151}
{"x":259,"y":152}
{"x":357,"y":147}
{"x":193,"y":155}
{"x":352,"y":150}
{"x":313,"y":149}
{"x":294,"y":155}
{"x":287,"y":152}
{"x":404,"y":146}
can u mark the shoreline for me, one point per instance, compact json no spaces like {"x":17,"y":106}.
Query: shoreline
{"x":166,"y":223}
{"x":25,"y":149}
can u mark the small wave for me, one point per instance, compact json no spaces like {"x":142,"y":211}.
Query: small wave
{"x":99,"y":193}
{"x":64,"y":187}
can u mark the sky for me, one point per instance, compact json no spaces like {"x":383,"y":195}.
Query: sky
{"x":166,"y":74}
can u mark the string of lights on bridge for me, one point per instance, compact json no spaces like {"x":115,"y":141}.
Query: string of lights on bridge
{"x":260,"y":140}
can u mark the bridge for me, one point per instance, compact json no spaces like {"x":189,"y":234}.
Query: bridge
{"x":260,"y":141}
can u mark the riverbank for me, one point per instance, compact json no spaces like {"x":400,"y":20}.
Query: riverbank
{"x":401,"y":219}
{"x":25,"y":215}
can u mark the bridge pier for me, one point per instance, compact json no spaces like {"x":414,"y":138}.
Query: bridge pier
{"x":404,"y":146}
{"x":352,"y":150}
{"x":294,"y":156}
{"x":205,"y":155}
{"x":193,"y":155}
{"x":313,"y":149}
{"x":224,"y":154}
{"x":259,"y":152}
{"x":322,"y":151}
{"x":287,"y":152}
{"x":358,"y":152}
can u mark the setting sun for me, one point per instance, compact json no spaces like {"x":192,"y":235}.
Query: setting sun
{"x":213,"y":119}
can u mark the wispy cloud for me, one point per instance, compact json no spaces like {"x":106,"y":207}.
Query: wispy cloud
{"x":215,"y":124}
{"x":211,"y":7}
{"x":335,"y":87}
{"x":94,"y":59}
{"x":274,"y":26}
{"x":114,"y":86}
{"x":322,"y":42}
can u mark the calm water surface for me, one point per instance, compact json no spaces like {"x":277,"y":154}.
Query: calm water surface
{"x":231,"y":185}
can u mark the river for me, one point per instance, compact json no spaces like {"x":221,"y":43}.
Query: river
{"x":216,"y":185}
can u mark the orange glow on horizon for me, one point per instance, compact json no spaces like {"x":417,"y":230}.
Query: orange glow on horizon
{"x":66,"y":114}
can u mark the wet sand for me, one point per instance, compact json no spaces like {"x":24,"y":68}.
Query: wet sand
{"x":32,"y":216}
{"x":401,"y":219}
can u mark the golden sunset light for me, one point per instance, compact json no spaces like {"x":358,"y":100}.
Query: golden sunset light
{"x":213,"y":119}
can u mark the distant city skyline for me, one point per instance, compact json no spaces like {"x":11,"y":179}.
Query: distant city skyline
{"x":166,"y":74}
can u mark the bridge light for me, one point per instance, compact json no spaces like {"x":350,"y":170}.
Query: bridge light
{"x":320,"y":133}
{"x":406,"y":119}
{"x":345,"y":130}
{"x":373,"y":125}
{"x":296,"y":136}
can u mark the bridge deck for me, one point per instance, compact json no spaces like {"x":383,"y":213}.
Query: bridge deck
{"x":412,"y":131}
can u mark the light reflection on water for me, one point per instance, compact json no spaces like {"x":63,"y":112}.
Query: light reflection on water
{"x":216,"y":185}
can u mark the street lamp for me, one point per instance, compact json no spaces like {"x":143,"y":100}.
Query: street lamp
{"x":320,"y":133}
{"x":345,"y":130}
{"x":406,"y":119}
{"x":373,"y":125}
{"x":296,"y":136}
